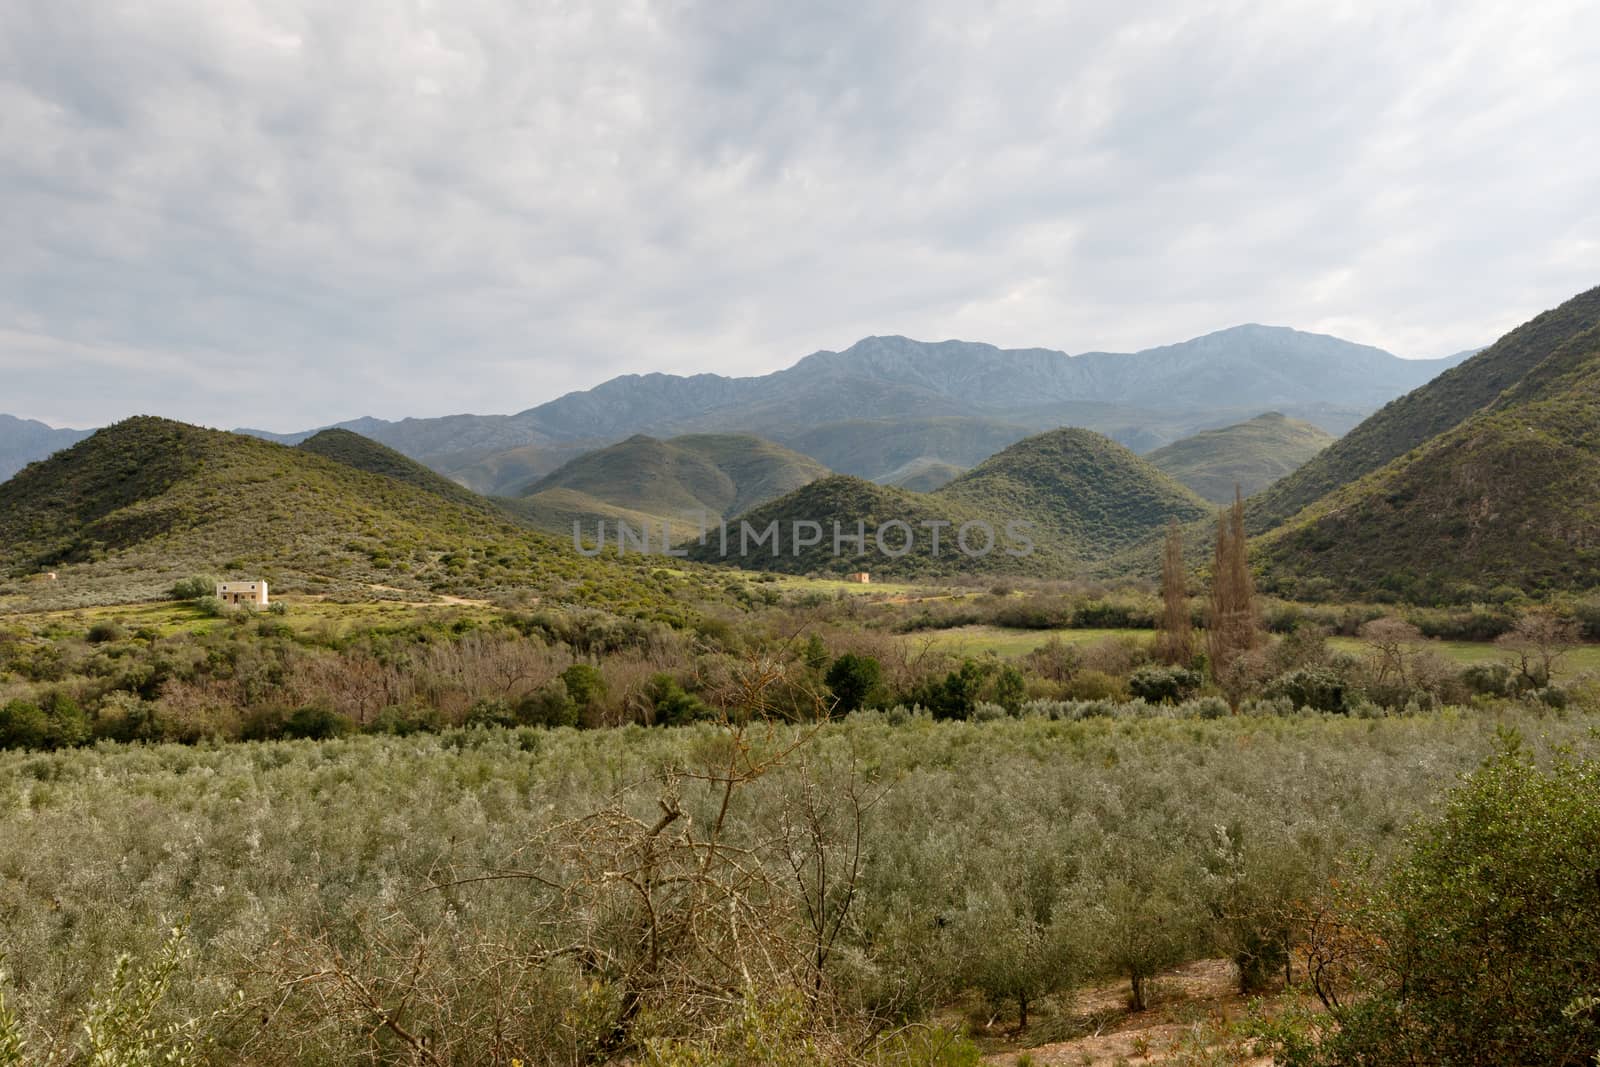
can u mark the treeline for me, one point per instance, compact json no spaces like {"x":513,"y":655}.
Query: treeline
{"x":260,"y":678}
{"x":1047,"y":608}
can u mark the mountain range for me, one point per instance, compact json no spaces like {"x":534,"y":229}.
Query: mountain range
{"x":888,"y":407}
{"x":1482,"y":478}
{"x":1143,"y":399}
{"x":24,"y":440}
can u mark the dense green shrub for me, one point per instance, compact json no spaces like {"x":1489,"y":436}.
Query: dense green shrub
{"x":954,"y":696}
{"x":1114,"y":615}
{"x":1164,"y":685}
{"x":550,"y":705}
{"x":1587,"y":612}
{"x":1095,"y":685}
{"x":586,"y":686}
{"x":1553,"y":696}
{"x":1490,"y":679}
{"x":106,"y":631}
{"x":55,"y":722}
{"x":853,"y":679}
{"x":1034,"y":613}
{"x":193,"y":588}
{"x":1009,"y":688}
{"x":1483,"y":945}
{"x":486,"y":713}
{"x":400,"y":721}
{"x":22,"y":725}
{"x":1318,"y":688}
{"x":315,"y":723}
{"x":1478,"y":622}
{"x":672,"y":704}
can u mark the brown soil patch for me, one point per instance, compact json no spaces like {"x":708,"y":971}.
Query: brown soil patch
{"x":1193,"y":1002}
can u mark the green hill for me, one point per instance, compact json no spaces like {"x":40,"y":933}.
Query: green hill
{"x":1429,"y":410}
{"x":1251,"y":455}
{"x":678,"y":480}
{"x":1087,"y":495}
{"x":1510,"y":496}
{"x":365,"y":454}
{"x":1084,"y":495}
{"x":126,"y":512}
{"x":854,"y":504}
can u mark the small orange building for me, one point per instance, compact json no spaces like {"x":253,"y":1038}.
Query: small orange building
{"x":860,"y":576}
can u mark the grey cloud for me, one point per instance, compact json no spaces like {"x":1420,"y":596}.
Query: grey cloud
{"x":363,"y":207}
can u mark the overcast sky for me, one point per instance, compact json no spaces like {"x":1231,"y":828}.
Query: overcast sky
{"x":283,"y":213}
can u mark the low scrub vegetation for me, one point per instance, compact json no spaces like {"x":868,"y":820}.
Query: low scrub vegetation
{"x":726,"y":894}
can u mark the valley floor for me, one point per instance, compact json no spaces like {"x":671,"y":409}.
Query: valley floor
{"x":1012,"y":642}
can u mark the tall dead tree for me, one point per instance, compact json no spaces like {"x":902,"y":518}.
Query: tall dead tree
{"x":1234,"y":630}
{"x":1175,"y":644}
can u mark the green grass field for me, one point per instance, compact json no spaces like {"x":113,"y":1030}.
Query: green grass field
{"x":981,"y":640}
{"x":168,"y":617}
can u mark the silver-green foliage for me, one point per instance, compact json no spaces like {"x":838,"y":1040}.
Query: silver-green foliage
{"x":1114,"y":821}
{"x":129,"y":1023}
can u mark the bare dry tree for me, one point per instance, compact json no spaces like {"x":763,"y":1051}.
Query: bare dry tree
{"x":1391,"y":645}
{"x":1537,"y":644}
{"x":820,"y":837}
{"x":670,"y":910}
{"x":1176,"y":642}
{"x":1234,"y":630}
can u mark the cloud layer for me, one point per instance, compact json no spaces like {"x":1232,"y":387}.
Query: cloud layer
{"x":291,"y":212}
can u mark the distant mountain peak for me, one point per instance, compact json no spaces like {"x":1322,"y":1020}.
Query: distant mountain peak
{"x":1145,"y":398}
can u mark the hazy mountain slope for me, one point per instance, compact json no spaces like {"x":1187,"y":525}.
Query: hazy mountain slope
{"x":509,"y":473}
{"x":559,"y":511}
{"x":712,"y":474}
{"x":876,"y":449}
{"x":1087,"y":495}
{"x":924,"y":475}
{"x":1509,"y":496}
{"x":1243,"y":369}
{"x":124,"y":513}
{"x":1432,"y":409}
{"x":1251,"y":455}
{"x":353,"y":450}
{"x":24,"y":440}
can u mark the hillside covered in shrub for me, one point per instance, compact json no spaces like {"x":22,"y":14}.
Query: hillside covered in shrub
{"x":1509,"y":496}
{"x":124,"y":514}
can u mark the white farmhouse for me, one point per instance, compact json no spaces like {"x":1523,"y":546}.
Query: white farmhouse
{"x":243,"y":593}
